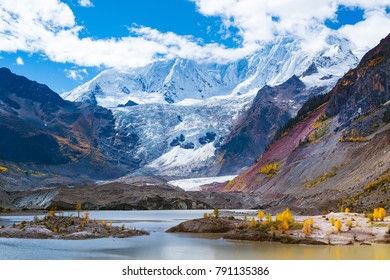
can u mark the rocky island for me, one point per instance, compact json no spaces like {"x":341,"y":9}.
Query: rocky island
{"x":58,"y":226}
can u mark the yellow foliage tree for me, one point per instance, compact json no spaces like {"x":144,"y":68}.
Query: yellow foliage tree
{"x":308,"y":226}
{"x":270,"y":170}
{"x":253,"y":222}
{"x":286,"y":215}
{"x":205,"y":216}
{"x":78,"y":209}
{"x":285,"y":219}
{"x":52,"y":211}
{"x":260,"y":215}
{"x":332,"y":220}
{"x":3,"y":169}
{"x":268,"y":218}
{"x":347,"y":210}
{"x":338,"y":225}
{"x":349,"y":224}
{"x":382,"y":213}
{"x":216,"y":213}
{"x":86,"y":217}
{"x":375,"y":214}
{"x":211,"y":216}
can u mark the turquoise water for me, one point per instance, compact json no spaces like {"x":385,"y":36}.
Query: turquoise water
{"x":161,"y":245}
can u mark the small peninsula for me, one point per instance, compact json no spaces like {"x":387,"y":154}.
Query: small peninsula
{"x":341,"y":228}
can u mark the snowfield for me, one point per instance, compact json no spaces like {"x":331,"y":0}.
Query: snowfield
{"x":195,"y":183}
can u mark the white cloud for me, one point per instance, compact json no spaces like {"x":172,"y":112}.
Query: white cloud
{"x":85,"y":3}
{"x":77,"y":75}
{"x":367,"y":33}
{"x":302,"y":18}
{"x":49,"y":27}
{"x":19,"y":61}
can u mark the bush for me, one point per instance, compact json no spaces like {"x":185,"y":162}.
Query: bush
{"x":260,"y":215}
{"x":308,"y":226}
{"x":338,"y":225}
{"x":3,"y":169}
{"x":216,"y":213}
{"x":253,"y":223}
{"x":270,"y":170}
{"x":349,"y":224}
{"x":379,"y":214}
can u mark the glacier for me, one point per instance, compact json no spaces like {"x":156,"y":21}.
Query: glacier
{"x":181,"y":110}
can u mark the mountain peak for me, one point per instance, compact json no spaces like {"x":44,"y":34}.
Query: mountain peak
{"x":172,"y":81}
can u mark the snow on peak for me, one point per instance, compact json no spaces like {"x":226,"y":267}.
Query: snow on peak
{"x":181,"y":110}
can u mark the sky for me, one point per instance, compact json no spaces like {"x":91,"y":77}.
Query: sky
{"x":66,"y":43}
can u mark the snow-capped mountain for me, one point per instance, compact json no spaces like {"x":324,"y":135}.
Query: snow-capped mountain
{"x":180,"y":111}
{"x":163,"y":81}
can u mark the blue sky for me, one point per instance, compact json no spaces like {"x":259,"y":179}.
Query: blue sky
{"x":76,"y":39}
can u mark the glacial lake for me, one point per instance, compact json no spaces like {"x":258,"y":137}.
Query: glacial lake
{"x":161,"y":245}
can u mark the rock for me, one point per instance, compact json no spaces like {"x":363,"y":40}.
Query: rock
{"x":37,"y":232}
{"x":176,"y":141}
{"x":205,"y":226}
{"x":208,"y":138}
{"x":129,"y":103}
{"x":188,"y":146}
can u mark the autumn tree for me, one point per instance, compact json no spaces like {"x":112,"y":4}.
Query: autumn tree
{"x":86,"y":217}
{"x":205,"y":216}
{"x":375,"y":214}
{"x":286,"y":215}
{"x":253,"y":222}
{"x":346,"y":210}
{"x":260,"y":215}
{"x":216,"y":213}
{"x":382,"y":213}
{"x":285,"y":219}
{"x":307,"y":226}
{"x":349,"y":224}
{"x":283,"y":226}
{"x":268,"y":218}
{"x":52,"y":211}
{"x":338,"y":225}
{"x":332,"y":220}
{"x":78,"y":209}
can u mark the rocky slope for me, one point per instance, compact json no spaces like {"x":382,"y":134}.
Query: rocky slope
{"x":336,"y":153}
{"x":44,"y":137}
{"x":269,"y":112}
{"x":140,"y":193}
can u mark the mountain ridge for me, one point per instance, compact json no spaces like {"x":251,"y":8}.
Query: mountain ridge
{"x":335,"y":155}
